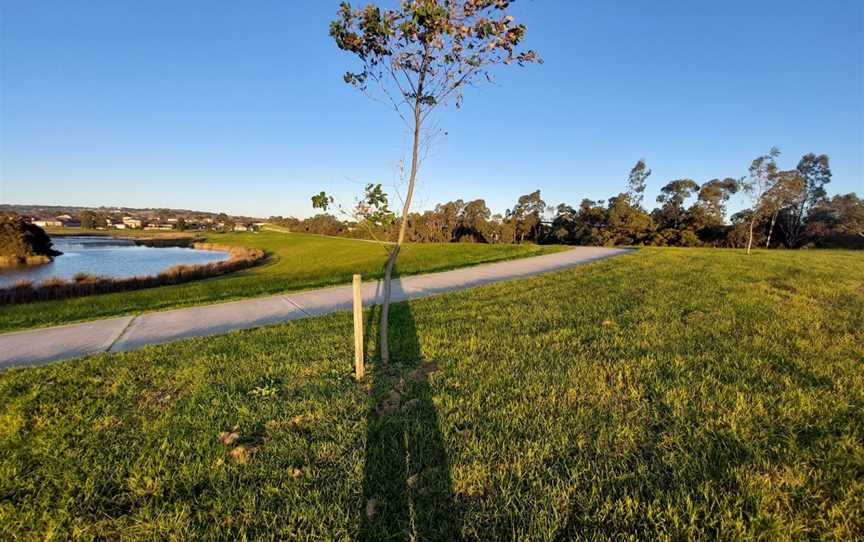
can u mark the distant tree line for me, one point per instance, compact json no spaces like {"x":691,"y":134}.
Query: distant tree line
{"x":788,"y":208}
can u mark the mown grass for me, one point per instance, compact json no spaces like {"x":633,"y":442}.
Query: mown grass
{"x":665,"y":394}
{"x":298,"y":262}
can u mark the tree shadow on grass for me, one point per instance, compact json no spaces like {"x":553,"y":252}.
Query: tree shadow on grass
{"x":407,"y":490}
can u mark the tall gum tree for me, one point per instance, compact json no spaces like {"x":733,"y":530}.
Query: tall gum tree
{"x":815,"y":171}
{"x":763,"y":174}
{"x":419,"y":57}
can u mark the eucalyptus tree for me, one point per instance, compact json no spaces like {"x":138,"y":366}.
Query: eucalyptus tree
{"x":763,"y":174}
{"x":713,"y":196}
{"x":636,"y":182}
{"x":527,"y":215}
{"x":815,"y":172}
{"x":786,"y":191}
{"x":673,"y":196}
{"x":418,"y":58}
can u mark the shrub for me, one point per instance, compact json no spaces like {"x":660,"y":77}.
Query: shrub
{"x":22,"y":242}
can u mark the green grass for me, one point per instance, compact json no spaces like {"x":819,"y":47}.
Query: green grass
{"x":665,"y":394}
{"x":300,"y":261}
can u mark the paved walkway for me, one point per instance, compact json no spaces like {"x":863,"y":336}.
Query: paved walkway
{"x":39,"y":346}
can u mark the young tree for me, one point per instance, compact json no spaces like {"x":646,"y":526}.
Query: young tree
{"x":372,"y":211}
{"x":419,"y":57}
{"x":322,"y":201}
{"x":763,"y":173}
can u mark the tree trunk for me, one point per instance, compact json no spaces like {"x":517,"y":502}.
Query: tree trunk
{"x":796,"y":220}
{"x":771,"y":229}
{"x":750,"y":240}
{"x":391,"y":261}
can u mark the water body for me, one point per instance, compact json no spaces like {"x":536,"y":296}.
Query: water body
{"x":107,"y":257}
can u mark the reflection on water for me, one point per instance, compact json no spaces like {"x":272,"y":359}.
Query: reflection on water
{"x":108,"y":257}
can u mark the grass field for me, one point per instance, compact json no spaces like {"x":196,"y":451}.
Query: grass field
{"x":300,"y":261}
{"x":665,"y":394}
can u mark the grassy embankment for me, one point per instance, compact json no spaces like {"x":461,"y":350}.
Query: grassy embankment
{"x":299,"y":261}
{"x":664,"y":394}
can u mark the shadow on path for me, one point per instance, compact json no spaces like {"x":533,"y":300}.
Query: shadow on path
{"x":407,"y":491}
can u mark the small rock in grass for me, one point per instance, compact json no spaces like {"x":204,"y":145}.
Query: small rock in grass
{"x":409,"y":404}
{"x":371,"y":508}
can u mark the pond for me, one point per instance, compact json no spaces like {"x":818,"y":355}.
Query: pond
{"x":107,"y":257}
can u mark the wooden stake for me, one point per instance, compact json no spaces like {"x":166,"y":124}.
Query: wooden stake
{"x":358,"y":330}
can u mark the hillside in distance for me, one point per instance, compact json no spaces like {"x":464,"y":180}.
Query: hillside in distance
{"x":37,"y":210}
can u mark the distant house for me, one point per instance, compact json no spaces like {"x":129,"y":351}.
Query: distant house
{"x":241,"y":227}
{"x":133,"y":223}
{"x":62,"y":221}
{"x":48,"y":223}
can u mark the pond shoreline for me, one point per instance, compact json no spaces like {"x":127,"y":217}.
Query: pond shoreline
{"x":85,"y":284}
{"x":156,"y":240}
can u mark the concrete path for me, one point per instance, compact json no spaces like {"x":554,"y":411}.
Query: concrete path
{"x":39,"y":346}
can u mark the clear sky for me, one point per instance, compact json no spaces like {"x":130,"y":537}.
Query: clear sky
{"x":240,"y":106}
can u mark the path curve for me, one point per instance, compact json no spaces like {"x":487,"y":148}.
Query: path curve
{"x":40,"y":346}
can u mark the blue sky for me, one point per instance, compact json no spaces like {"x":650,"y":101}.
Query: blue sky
{"x":240,"y":106}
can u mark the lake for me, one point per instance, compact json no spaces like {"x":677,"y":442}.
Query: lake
{"x":108,"y":257}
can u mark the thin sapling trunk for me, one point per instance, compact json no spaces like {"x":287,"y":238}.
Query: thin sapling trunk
{"x":420,"y":55}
